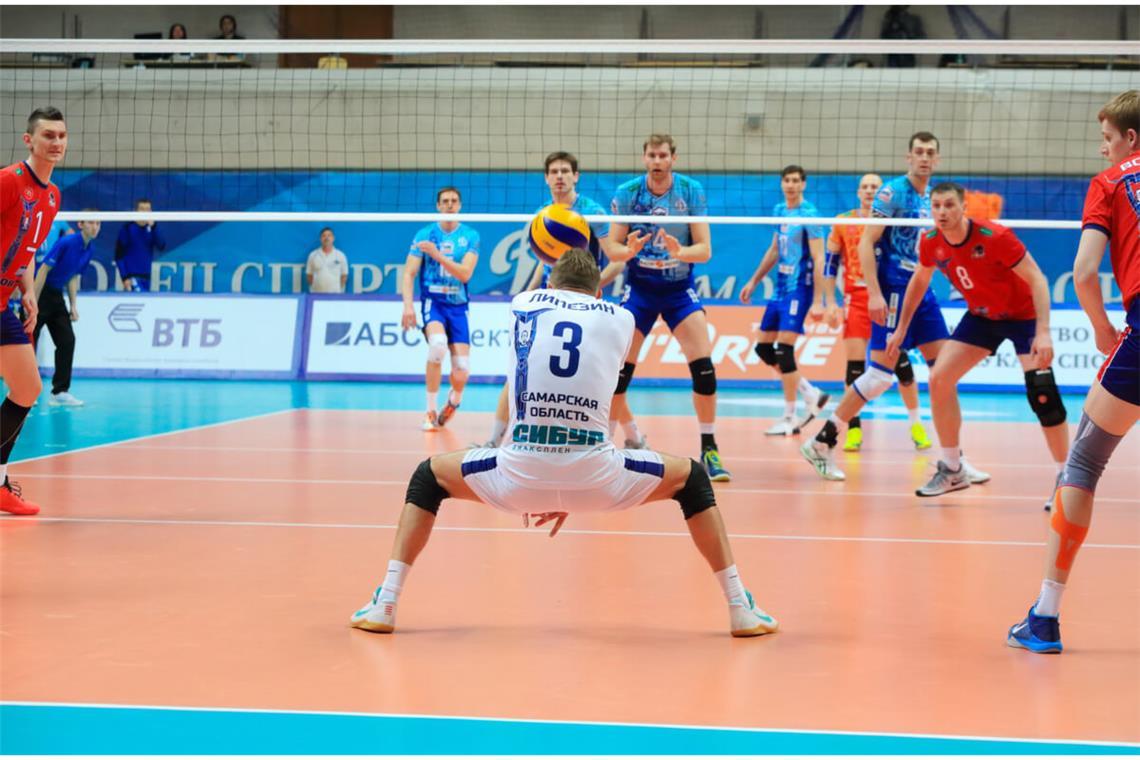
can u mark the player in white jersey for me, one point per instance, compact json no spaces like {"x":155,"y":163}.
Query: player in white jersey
{"x":568,"y":348}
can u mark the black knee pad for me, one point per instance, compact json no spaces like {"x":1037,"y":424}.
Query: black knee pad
{"x":424,"y":490}
{"x":785,"y":357}
{"x":854,"y":369}
{"x":624,"y":378}
{"x":704,"y":376}
{"x":767,"y":353}
{"x":1044,"y":398}
{"x":697,"y":494}
{"x":903,"y":371}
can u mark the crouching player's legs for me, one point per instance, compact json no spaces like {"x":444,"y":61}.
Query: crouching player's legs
{"x":1111,"y":410}
{"x":908,"y":391}
{"x":955,"y":359}
{"x":434,"y":480}
{"x":687,"y":482}
{"x":499,"y":424}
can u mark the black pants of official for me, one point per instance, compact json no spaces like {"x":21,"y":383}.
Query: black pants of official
{"x":55,"y":315}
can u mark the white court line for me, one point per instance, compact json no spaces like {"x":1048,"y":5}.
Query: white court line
{"x":337,"y":482}
{"x":389,"y":452}
{"x":542,"y":532}
{"x":150,"y":436}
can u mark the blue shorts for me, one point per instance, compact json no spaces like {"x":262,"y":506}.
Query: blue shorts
{"x":990,"y":333}
{"x":787,"y":314}
{"x":453,"y":317}
{"x":672,"y":307}
{"x":926,"y":326}
{"x":12,"y":330}
{"x":1120,"y":373}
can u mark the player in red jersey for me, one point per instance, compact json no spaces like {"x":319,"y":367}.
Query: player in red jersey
{"x":843,"y":249}
{"x":28,"y":204}
{"x":1008,"y":298}
{"x":1112,"y":213}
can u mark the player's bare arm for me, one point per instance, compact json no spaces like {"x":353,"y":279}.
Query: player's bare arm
{"x":766,"y":263}
{"x":1042,"y":348}
{"x":28,"y":298}
{"x":623,"y":244}
{"x":834,"y":313}
{"x":1086,"y":283}
{"x":876,"y":304}
{"x":815,"y":247}
{"x":73,"y":297}
{"x":41,"y":279}
{"x":411,"y":269}
{"x":915,"y":290}
{"x":698,"y":252}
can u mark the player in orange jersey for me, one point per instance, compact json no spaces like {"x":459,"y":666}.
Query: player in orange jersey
{"x":1008,"y":298}
{"x":843,"y":249}
{"x":28,"y":205}
{"x":1112,"y":212}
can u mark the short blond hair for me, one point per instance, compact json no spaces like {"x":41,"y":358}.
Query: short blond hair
{"x":1123,"y":112}
{"x":576,"y":270}
{"x":660,"y":138}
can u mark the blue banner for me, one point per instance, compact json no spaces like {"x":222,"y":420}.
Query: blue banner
{"x":252,"y":257}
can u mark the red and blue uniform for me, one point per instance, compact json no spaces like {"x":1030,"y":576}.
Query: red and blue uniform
{"x":27,"y":209}
{"x":1112,"y":206}
{"x":1000,"y":302}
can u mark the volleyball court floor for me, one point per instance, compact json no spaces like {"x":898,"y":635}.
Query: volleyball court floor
{"x":188,"y":584}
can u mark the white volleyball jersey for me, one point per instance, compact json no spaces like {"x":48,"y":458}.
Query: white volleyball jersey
{"x":567,"y":351}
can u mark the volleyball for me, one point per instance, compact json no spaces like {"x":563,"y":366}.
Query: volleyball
{"x":555,"y":230}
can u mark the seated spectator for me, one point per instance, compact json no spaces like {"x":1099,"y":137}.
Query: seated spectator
{"x":134,"y":250}
{"x":227,"y":25}
{"x":327,"y":268}
{"x":177,"y":32}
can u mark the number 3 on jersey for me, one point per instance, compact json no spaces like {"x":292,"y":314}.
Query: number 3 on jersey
{"x":571,"y":333}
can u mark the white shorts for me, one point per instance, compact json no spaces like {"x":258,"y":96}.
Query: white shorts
{"x":622,"y":479}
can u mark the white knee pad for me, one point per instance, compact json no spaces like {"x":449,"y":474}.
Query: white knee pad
{"x":874,"y":382}
{"x":461,"y":363}
{"x":437,"y":348}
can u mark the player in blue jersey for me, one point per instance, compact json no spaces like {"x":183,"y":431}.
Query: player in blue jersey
{"x":560,"y":172}
{"x":659,"y":279}
{"x":893,"y":264}
{"x":797,"y":254}
{"x":443,"y":255}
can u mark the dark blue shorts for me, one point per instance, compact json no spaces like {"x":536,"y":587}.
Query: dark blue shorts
{"x":787,"y":313}
{"x":1120,"y":373}
{"x":672,"y":307}
{"x":989,"y":333}
{"x":12,"y":330}
{"x":926,"y":326}
{"x":453,"y":317}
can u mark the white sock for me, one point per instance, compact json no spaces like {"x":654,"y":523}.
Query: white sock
{"x":454,"y":397}
{"x":952,"y":457}
{"x":431,"y":402}
{"x":732,"y":586}
{"x":804,"y":387}
{"x":498,"y":431}
{"x":394,"y":581}
{"x":631,"y":431}
{"x":1049,"y":603}
{"x":913,"y":415}
{"x":789,"y":409}
{"x":707,"y":428}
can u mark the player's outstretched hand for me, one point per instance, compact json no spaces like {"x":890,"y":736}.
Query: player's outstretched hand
{"x":834,"y":317}
{"x":636,"y":242}
{"x":408,"y":320}
{"x":894,"y":347}
{"x":31,"y":312}
{"x":1106,"y":339}
{"x":544,"y":518}
{"x":815,"y":313}
{"x":673,"y":246}
{"x":877,"y":309}
{"x":746,"y":292}
{"x":1042,"y":350}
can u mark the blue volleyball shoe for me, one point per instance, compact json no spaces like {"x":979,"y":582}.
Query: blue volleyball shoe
{"x":1036,"y":633}
{"x":714,"y":466}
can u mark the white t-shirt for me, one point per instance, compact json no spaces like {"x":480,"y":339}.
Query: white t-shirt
{"x":567,"y":349}
{"x":327,"y":270}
